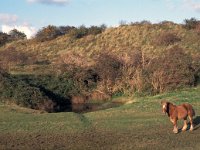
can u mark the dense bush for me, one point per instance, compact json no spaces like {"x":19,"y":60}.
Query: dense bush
{"x":82,"y":31}
{"x":107,"y":67}
{"x":166,"y":38}
{"x":79,"y":32}
{"x":57,"y":88}
{"x":118,"y":74}
{"x":4,"y":38}
{"x":13,"y":35}
{"x":191,"y":23}
{"x":13,"y":90}
{"x":16,"y":35}
{"x":47,"y":33}
{"x":96,"y":30}
{"x":65,"y":29}
{"x":196,"y":68}
{"x":171,"y":71}
{"x":51,"y":32}
{"x":143,"y":22}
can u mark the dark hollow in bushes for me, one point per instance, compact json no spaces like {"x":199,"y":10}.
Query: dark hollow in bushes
{"x":166,"y":38}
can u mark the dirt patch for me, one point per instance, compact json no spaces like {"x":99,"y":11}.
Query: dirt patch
{"x":154,"y":138}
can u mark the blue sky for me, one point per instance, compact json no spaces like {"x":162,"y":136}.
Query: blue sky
{"x":31,"y":15}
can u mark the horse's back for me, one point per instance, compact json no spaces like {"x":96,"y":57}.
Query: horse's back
{"x":181,"y":111}
{"x":189,"y":109}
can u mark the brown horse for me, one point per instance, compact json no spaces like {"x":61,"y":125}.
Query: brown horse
{"x":179,"y":112}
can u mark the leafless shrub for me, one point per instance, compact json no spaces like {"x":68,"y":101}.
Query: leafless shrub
{"x":170,"y":71}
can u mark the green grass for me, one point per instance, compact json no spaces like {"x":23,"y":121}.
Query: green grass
{"x":139,"y":125}
{"x":13,"y":120}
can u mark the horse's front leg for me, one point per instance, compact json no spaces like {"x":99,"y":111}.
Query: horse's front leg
{"x":174,"y":121}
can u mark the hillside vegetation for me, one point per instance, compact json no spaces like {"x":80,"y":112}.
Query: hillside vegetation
{"x":82,"y":64}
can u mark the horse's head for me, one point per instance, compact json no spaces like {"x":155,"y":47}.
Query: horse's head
{"x":165,"y":106}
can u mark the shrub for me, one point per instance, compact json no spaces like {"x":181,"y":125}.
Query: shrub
{"x":196,"y":68}
{"x":191,"y":23}
{"x":132,"y":74}
{"x":17,"y":35}
{"x":56,"y":88}
{"x":4,"y":38}
{"x":171,"y":71}
{"x":166,"y":38}
{"x":108,"y":68}
{"x":94,"y":30}
{"x":13,"y":90}
{"x":143,"y":22}
{"x":165,"y":22}
{"x":82,"y":31}
{"x":47,"y":33}
{"x":12,"y":36}
{"x":65,"y":29}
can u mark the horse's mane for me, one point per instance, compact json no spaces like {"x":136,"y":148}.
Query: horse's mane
{"x":169,"y":107}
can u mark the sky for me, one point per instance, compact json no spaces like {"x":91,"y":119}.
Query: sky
{"x":29,"y":16}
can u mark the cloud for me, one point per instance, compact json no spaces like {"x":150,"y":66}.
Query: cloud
{"x":28,"y":30}
{"x":8,"y":18}
{"x":50,"y":2}
{"x":193,"y":4}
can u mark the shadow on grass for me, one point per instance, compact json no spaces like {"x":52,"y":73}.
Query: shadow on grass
{"x":196,"y":122}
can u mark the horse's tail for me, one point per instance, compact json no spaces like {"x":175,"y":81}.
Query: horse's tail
{"x":193,"y":112}
{"x":189,"y":109}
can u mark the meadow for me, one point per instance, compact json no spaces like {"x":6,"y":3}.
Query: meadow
{"x":138,"y":125}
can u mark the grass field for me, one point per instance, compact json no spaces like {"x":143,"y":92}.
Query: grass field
{"x":139,"y":125}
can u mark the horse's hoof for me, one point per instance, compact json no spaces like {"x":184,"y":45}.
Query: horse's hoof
{"x":175,"y":131}
{"x":184,"y":129}
{"x":191,"y":128}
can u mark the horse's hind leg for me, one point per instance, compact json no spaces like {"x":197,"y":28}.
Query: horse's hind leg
{"x":191,"y":123}
{"x":185,"y":125}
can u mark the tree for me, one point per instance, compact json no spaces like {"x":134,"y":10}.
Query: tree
{"x":191,"y":23}
{"x":17,"y":35}
{"x":80,"y":32}
{"x":4,"y":38}
{"x":95,"y":30}
{"x":65,"y":29}
{"x":48,"y":33}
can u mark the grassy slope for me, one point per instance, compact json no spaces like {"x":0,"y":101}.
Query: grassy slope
{"x":120,"y":40}
{"x":139,"y":125}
